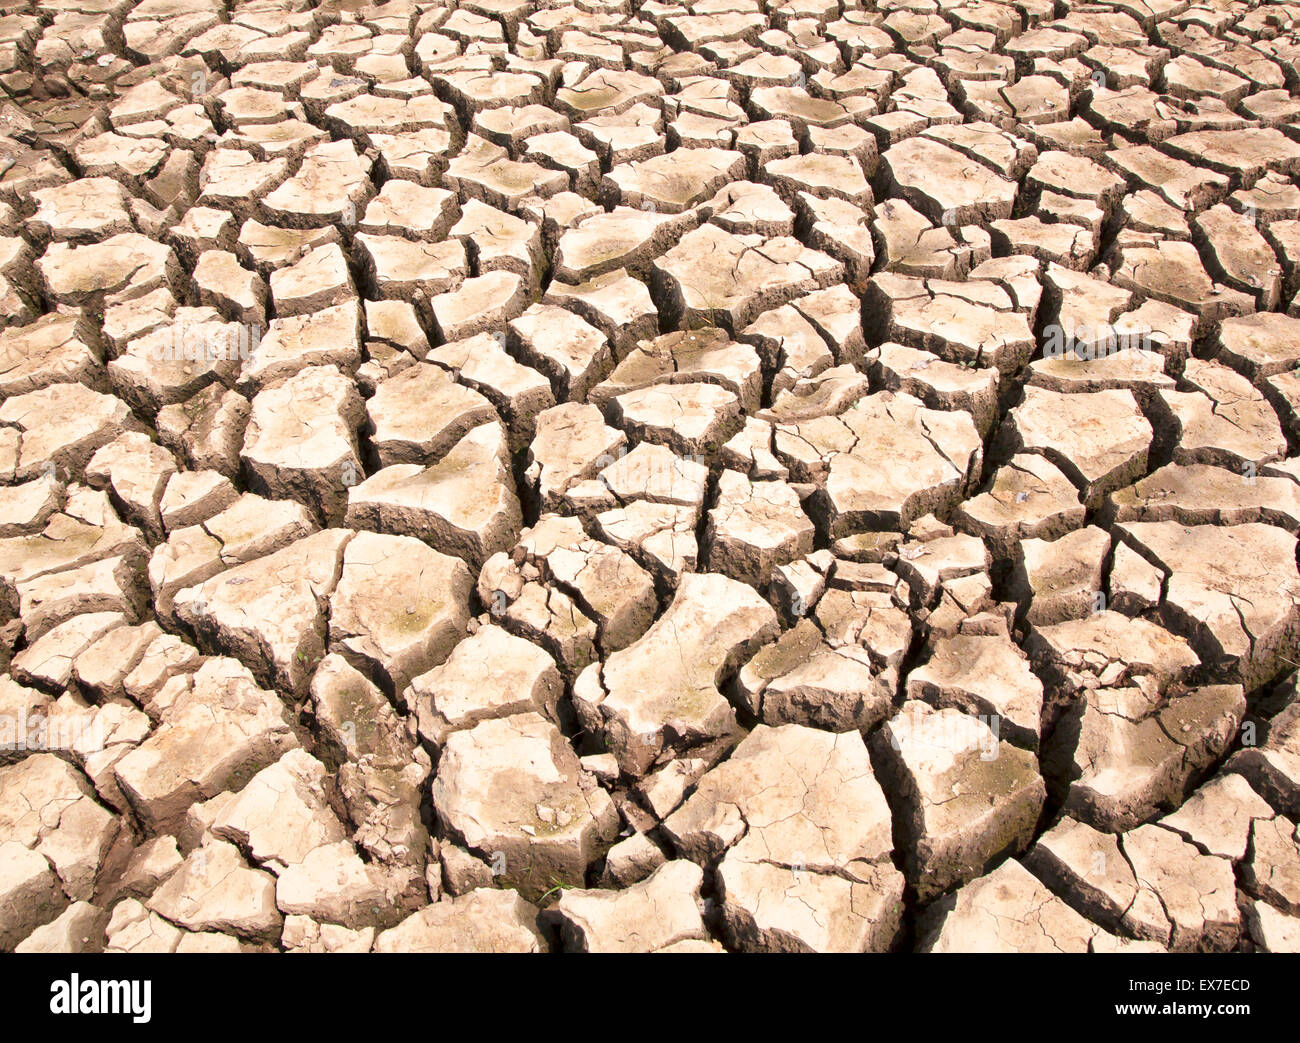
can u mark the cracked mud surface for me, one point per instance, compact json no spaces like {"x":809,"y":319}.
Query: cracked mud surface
{"x":640,"y":476}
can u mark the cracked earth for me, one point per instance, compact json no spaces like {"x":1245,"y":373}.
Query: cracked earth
{"x":639,"y":476}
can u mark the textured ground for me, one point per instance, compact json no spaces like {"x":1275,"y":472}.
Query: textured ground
{"x":649,"y":476}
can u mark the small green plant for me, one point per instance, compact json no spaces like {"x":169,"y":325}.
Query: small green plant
{"x":699,"y":322}
{"x":559,"y":886}
{"x":311,"y":662}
